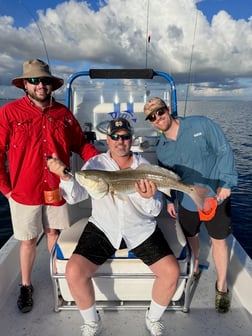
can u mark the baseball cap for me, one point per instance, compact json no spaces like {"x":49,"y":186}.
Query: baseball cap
{"x":118,"y":124}
{"x":153,"y":105}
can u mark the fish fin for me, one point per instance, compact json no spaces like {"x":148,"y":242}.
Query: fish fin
{"x":158,"y":170}
{"x":144,"y":166}
{"x":165,"y":191}
{"x":96,"y":195}
{"x":127,"y":169}
{"x":122,"y":197}
{"x":118,"y":195}
{"x":198,"y":195}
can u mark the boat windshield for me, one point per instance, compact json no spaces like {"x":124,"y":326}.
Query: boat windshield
{"x":96,"y":101}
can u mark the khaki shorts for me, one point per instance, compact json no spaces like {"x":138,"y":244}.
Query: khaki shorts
{"x":28,"y":221}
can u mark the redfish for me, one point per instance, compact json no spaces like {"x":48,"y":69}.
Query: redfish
{"x":100,"y":183}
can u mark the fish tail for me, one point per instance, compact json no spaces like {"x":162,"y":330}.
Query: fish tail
{"x":198,"y":194}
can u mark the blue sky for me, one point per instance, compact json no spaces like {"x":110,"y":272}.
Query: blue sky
{"x":83,"y":34}
{"x":241,"y":9}
{"x":238,"y":9}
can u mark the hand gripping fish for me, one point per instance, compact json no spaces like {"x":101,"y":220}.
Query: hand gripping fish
{"x":99,"y":183}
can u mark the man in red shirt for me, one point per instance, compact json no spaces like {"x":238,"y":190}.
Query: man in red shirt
{"x":31,"y":129}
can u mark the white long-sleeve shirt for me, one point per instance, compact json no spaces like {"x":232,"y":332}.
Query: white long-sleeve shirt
{"x":132,"y":219}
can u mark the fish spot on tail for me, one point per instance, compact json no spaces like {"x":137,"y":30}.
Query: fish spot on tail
{"x":198,"y":194}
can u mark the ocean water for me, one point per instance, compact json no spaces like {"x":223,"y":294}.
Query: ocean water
{"x":235,"y":118}
{"x":5,"y":222}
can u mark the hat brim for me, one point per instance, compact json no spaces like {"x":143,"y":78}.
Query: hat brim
{"x":56,"y":82}
{"x":119,"y":129}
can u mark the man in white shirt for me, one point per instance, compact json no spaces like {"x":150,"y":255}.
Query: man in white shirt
{"x":115,"y":224}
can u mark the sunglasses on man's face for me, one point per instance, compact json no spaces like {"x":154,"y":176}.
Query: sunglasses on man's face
{"x":123,"y":137}
{"x":153,"y":116}
{"x":36,"y":81}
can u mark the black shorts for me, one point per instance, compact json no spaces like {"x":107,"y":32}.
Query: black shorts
{"x":95,"y":246}
{"x":219,"y":227}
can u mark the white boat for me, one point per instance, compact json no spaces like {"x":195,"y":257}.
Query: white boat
{"x":94,"y":97}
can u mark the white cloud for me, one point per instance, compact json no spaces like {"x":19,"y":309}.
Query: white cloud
{"x":75,"y":36}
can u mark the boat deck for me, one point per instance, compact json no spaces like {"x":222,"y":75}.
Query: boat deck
{"x":202,"y":319}
{"x":43,"y":321}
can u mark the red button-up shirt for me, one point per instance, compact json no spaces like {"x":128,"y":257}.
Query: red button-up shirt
{"x":27,"y":137}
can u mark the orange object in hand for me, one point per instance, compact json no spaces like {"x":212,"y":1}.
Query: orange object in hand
{"x":209,"y":209}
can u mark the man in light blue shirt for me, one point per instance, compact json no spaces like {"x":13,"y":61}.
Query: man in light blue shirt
{"x":197,"y":150}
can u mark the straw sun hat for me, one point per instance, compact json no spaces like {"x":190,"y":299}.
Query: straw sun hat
{"x":36,"y":68}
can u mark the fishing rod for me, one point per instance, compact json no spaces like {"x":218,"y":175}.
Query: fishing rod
{"x":147,"y":40}
{"x":39,"y":29}
{"x":190,"y":64}
{"x":53,"y":94}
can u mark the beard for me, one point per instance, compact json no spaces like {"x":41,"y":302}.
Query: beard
{"x":40,"y":99}
{"x":122,"y":152}
{"x":168,"y":125}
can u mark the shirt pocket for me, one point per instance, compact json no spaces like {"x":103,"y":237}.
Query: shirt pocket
{"x":60,"y":129}
{"x":21,"y":132}
{"x":200,"y":146}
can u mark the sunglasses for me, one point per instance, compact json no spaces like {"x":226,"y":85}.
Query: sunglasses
{"x":153,"y":116}
{"x":123,"y":137}
{"x":36,"y":81}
